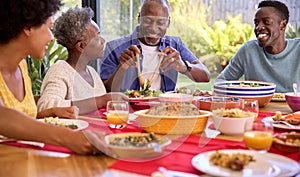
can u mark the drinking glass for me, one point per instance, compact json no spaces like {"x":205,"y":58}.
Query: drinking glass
{"x":251,"y":105}
{"x":260,"y":138}
{"x":117,"y":113}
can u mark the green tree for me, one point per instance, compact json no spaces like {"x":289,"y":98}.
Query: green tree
{"x":37,"y":68}
{"x":213,"y":44}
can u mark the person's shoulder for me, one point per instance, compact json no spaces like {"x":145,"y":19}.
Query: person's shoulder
{"x":250,"y":44}
{"x":90,"y":68}
{"x":293,"y":40}
{"x":58,"y":66}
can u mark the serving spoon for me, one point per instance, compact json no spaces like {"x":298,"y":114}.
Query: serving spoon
{"x":295,"y":88}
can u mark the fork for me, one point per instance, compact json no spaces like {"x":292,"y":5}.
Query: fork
{"x":286,"y":123}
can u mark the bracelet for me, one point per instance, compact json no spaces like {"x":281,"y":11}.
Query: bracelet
{"x":188,"y":68}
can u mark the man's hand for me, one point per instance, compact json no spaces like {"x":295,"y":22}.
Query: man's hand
{"x":172,"y":59}
{"x":129,"y":56}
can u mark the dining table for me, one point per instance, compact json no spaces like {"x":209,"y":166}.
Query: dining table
{"x":30,"y":161}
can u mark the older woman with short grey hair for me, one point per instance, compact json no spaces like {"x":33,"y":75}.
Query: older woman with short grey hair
{"x":72,"y":26}
{"x":73,"y":82}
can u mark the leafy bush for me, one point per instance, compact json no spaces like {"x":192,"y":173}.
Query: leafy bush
{"x":37,"y":68}
{"x":211,"y":44}
{"x":292,"y":32}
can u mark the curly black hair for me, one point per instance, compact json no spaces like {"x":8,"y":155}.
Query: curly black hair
{"x":19,"y":14}
{"x":281,"y":8}
{"x":71,"y":26}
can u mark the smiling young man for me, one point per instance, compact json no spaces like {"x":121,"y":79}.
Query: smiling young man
{"x":120,"y":68}
{"x":270,"y":58}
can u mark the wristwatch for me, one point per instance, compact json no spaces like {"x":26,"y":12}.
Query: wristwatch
{"x":188,"y":67}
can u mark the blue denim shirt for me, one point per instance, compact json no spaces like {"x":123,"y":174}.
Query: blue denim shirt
{"x":115,"y":47}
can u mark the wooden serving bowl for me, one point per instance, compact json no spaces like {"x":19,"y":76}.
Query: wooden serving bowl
{"x":280,"y":142}
{"x":161,"y":124}
{"x":214,"y":102}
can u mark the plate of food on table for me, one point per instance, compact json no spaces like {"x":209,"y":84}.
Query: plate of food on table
{"x":233,"y":162}
{"x":278,"y":97}
{"x":288,"y":122}
{"x":144,"y":94}
{"x":137,"y":145}
{"x":74,"y":124}
{"x":194,"y":92}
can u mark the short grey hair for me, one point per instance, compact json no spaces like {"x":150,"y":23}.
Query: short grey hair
{"x":71,"y":26}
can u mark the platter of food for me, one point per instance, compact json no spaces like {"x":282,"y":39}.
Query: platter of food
{"x":288,"y":142}
{"x":249,"y":163}
{"x":286,"y":122}
{"x":280,"y":97}
{"x":137,"y":145}
{"x":74,"y":124}
{"x":142,"y":95}
{"x":195,"y":92}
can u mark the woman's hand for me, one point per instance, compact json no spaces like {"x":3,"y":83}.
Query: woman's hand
{"x":98,"y":140}
{"x":82,"y":145}
{"x":102,"y":100}
{"x":66,"y":112}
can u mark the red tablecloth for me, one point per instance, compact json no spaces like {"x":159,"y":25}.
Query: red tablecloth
{"x":177,"y":157}
{"x":179,"y":154}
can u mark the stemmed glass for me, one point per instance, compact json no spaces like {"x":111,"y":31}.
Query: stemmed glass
{"x":251,"y":105}
{"x":117,"y":113}
{"x":260,"y":138}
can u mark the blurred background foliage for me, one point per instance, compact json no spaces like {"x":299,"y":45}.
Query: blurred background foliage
{"x":213,"y":44}
{"x":37,"y":68}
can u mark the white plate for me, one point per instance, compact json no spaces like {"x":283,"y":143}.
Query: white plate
{"x":80,"y":123}
{"x":278,"y":125}
{"x":267,"y":164}
{"x":280,"y":99}
{"x":135,"y":152}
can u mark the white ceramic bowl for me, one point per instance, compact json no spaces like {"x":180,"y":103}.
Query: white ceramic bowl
{"x":262,"y":91}
{"x":233,"y":126}
{"x":150,"y":150}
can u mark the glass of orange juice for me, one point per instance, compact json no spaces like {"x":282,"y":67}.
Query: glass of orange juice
{"x":260,"y":138}
{"x":117,"y":113}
